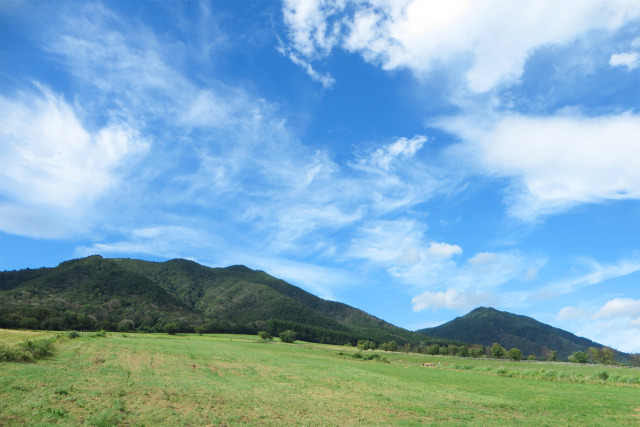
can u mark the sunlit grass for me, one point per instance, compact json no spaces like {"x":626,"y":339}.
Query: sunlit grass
{"x":153,"y":379}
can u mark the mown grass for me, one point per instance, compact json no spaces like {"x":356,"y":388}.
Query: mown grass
{"x":236,"y":380}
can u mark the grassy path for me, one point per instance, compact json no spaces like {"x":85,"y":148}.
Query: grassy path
{"x":234,"y":380}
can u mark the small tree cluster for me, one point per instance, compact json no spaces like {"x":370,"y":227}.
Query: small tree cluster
{"x":579,"y":357}
{"x":367,"y":345}
{"x":288,"y":336}
{"x":389,"y":346}
{"x":265,"y":336}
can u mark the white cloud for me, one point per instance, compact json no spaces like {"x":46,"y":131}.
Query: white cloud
{"x":444,"y":250}
{"x":52,"y":163}
{"x":452,"y":299}
{"x":166,"y":241}
{"x":619,"y":308}
{"x":325,"y":79}
{"x":570,"y":313}
{"x":422,"y":35}
{"x":386,"y":157}
{"x":598,"y":273}
{"x":628,"y":60}
{"x":555,"y":162}
{"x":615,"y":324}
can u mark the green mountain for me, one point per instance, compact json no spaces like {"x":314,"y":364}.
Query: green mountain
{"x":487,"y":326}
{"x":126,"y":294}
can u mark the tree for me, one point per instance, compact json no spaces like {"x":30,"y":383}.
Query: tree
{"x":579,"y":357}
{"x":433,"y":349}
{"x":288,"y":336}
{"x":497,"y":351}
{"x":264,"y":336}
{"x":389,"y":346}
{"x":476,"y":350}
{"x":635,"y":359}
{"x":515,"y":354}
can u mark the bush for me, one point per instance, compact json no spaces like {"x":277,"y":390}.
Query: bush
{"x":288,"y":336}
{"x":28,"y":350}
{"x":602,"y":376}
{"x":171,"y":328}
{"x":72,"y":334}
{"x":264,"y":336}
{"x":579,"y":357}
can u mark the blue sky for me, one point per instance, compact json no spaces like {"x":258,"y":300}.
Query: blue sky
{"x":414,"y":159}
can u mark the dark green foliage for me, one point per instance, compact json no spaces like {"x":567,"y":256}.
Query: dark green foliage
{"x":172,"y":328}
{"x":602,"y":355}
{"x":28,"y":350}
{"x":602,"y":376}
{"x":579,"y":357}
{"x":288,"y":336}
{"x":367,"y":345}
{"x":359,"y":356}
{"x":497,"y":351}
{"x":94,"y":293}
{"x":515,"y":354}
{"x":72,"y":334}
{"x":486,"y":325}
{"x":389,"y":346}
{"x":265,"y":336}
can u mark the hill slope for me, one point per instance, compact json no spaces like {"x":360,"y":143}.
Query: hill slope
{"x":123,"y":294}
{"x":487,"y":325}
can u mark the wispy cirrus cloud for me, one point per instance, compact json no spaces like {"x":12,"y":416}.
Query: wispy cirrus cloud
{"x":596,"y":273}
{"x":55,"y":167}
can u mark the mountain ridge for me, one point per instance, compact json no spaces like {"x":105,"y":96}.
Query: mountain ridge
{"x":486,"y":325}
{"x":124,"y":294}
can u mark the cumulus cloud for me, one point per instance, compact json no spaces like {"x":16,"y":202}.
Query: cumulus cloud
{"x":53,"y":164}
{"x":422,"y":35}
{"x":444,"y":250}
{"x":628,"y":60}
{"x":555,"y":162}
{"x":619,"y":308}
{"x":616,"y":323}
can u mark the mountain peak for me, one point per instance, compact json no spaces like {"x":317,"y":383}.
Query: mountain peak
{"x":486,"y":325}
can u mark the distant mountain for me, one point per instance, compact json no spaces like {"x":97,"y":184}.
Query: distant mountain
{"x":126,"y":294}
{"x":486,"y":326}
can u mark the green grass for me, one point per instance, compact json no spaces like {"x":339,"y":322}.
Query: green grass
{"x":151,"y":379}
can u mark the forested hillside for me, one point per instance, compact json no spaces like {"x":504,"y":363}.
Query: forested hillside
{"x":125,"y":294}
{"x":486,"y":326}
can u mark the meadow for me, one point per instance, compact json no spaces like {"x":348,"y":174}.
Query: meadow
{"x":159,"y":379}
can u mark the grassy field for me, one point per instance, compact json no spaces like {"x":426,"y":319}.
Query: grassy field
{"x":148,"y":379}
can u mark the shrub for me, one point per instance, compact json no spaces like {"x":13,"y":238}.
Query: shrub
{"x":579,"y":357}
{"x":171,"y":328}
{"x":72,"y":334}
{"x":264,"y":336}
{"x":288,"y":336}
{"x":602,"y":376}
